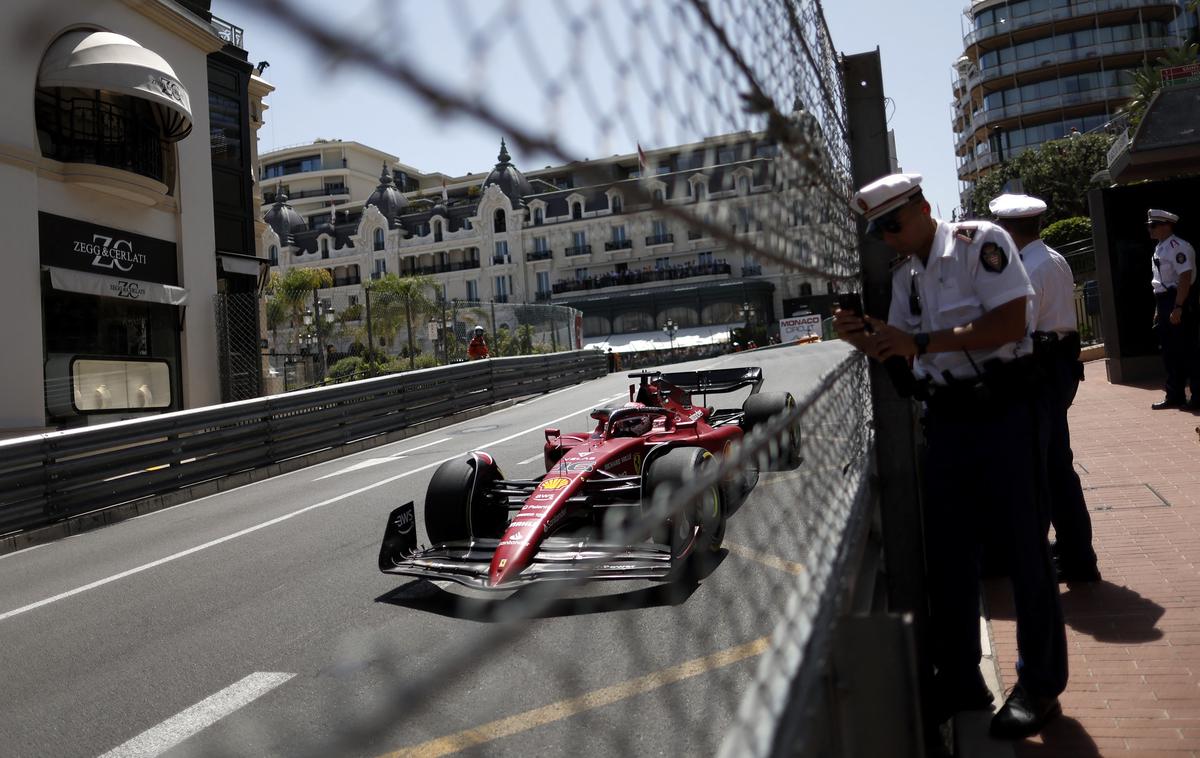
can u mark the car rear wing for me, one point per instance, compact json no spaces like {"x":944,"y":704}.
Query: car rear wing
{"x":716,"y":381}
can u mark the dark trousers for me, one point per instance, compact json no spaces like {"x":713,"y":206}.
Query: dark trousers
{"x":1178,"y":344}
{"x":1059,"y":360}
{"x":983,"y":475}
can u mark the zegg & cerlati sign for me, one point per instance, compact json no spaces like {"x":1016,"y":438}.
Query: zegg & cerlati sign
{"x":81,"y":246}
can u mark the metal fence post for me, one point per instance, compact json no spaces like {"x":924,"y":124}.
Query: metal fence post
{"x":895,"y":423}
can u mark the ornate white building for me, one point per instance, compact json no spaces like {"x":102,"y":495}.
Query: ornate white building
{"x":573,"y":235}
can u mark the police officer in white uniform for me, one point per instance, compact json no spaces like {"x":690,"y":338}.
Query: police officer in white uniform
{"x":1174,"y":312}
{"x":1055,"y":335}
{"x":959,"y":310}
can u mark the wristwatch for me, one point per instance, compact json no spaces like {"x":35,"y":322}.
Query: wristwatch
{"x":922,"y":341}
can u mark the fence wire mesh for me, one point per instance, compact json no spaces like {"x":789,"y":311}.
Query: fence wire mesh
{"x":662,"y":669}
{"x":238,"y":347}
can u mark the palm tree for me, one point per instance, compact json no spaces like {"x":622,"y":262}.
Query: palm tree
{"x":393,"y":297}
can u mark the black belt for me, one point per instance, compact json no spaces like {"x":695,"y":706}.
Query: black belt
{"x":999,"y":381}
{"x":1045,"y":343}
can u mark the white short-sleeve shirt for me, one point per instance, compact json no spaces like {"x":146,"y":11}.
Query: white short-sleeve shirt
{"x":1052,"y":306}
{"x":1172,"y":257}
{"x":973,"y":268}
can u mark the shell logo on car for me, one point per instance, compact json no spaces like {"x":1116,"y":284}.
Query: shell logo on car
{"x":556,"y":483}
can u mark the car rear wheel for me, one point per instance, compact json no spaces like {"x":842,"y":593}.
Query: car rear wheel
{"x":457,"y":506}
{"x":762,"y":407}
{"x":707,"y":511}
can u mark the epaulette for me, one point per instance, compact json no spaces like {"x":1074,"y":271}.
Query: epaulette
{"x":966,"y":232}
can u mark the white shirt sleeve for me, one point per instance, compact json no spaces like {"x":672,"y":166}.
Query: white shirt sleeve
{"x":995,"y":268}
{"x":1182,"y":255}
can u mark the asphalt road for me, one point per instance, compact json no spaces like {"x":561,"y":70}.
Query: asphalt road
{"x":255,"y":622}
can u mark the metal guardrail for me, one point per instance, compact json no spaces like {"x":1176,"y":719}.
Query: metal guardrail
{"x":49,"y":477}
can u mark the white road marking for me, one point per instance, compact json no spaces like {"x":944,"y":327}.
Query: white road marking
{"x":159,"y":739}
{"x":23,"y":550}
{"x":376,"y":461}
{"x":251,"y":529}
{"x":536,"y":457}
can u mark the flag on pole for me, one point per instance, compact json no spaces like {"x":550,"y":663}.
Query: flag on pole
{"x":641,"y":161}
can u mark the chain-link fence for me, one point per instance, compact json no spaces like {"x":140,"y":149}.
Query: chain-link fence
{"x":334,"y":335}
{"x":669,"y":669}
{"x":238,"y":348}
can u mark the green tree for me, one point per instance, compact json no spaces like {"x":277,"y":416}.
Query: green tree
{"x":525,"y":339}
{"x":401,"y":300}
{"x":1067,"y":230}
{"x":296,"y":288}
{"x":1059,"y":172}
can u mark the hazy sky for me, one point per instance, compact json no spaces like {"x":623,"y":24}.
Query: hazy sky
{"x":512,"y":54}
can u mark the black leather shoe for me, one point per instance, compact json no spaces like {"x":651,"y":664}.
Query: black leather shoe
{"x":1023,"y":715}
{"x":1166,"y":403}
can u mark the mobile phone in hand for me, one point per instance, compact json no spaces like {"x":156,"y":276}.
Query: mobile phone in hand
{"x":851,"y":302}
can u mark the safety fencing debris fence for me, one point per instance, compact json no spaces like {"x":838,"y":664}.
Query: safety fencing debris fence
{"x":747,"y":665}
{"x":49,"y":477}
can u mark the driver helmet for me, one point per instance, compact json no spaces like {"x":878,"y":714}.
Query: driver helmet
{"x":633,"y":426}
{"x":479,"y":330}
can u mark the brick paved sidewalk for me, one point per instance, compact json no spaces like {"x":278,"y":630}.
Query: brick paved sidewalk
{"x":1134,"y":638}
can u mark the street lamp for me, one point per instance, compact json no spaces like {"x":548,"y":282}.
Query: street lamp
{"x":669,"y":329}
{"x":313,"y":317}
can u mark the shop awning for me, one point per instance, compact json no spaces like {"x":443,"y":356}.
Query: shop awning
{"x":131,"y":290}
{"x":115,"y":63}
{"x":695,"y":336}
{"x":241,"y":264}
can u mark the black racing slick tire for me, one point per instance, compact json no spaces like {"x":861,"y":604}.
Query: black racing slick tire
{"x":457,"y":505}
{"x":757,"y":410}
{"x":708,"y":511}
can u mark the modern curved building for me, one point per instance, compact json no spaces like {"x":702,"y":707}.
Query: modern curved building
{"x":1033,"y":70}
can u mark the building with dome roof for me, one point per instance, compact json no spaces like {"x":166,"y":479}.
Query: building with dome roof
{"x":575,"y":235}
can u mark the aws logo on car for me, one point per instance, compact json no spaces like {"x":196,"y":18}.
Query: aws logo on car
{"x":557,"y":483}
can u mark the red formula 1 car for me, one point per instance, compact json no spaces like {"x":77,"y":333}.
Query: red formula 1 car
{"x":489,"y":532}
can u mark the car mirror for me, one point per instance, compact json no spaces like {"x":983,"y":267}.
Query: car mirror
{"x":552,"y":434}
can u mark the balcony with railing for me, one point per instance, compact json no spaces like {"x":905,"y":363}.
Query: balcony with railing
{"x":228,"y":32}
{"x":1075,"y":10}
{"x":628,"y":277}
{"x":270,"y":195}
{"x":539,"y":255}
{"x":577,"y":250}
{"x":121,"y":134}
{"x":659,"y":239}
{"x":1120,"y":94}
{"x":439,"y":268}
{"x":1061,"y":57}
{"x":618,"y":245}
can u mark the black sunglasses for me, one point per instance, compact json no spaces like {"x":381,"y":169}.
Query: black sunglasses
{"x":887,"y":223}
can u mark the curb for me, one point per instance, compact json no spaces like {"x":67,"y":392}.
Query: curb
{"x":117,"y":513}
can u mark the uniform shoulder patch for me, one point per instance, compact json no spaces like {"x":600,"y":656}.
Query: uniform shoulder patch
{"x":1180,"y":258}
{"x":966,"y":232}
{"x":1174,"y":243}
{"x":993,"y":257}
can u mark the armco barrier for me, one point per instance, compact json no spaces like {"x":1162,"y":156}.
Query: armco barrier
{"x":48,"y":477}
